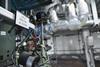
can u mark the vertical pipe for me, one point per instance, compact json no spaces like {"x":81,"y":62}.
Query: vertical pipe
{"x":94,"y":11}
{"x":85,"y":34}
{"x":55,"y":49}
{"x":6,"y":4}
{"x":88,"y":52}
{"x":45,"y":58}
{"x":83,"y":11}
{"x":53,"y":15}
{"x":72,"y":11}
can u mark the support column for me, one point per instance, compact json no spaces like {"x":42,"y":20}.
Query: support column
{"x":87,"y":50}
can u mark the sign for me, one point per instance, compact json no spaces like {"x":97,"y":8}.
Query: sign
{"x":6,"y":13}
{"x":31,"y":25}
{"x":2,"y":32}
{"x":22,"y":20}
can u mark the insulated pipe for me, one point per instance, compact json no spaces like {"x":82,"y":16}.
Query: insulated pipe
{"x":74,"y":23}
{"x":60,"y":25}
{"x":83,"y":11}
{"x":72,"y":12}
{"x":83,"y":7}
{"x":53,"y":15}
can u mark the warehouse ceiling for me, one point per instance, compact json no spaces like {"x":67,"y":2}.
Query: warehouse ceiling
{"x":33,"y":4}
{"x":29,"y":4}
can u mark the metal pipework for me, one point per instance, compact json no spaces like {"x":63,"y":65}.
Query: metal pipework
{"x":72,"y":24}
{"x":7,"y":39}
{"x":53,"y":15}
{"x":83,"y":11}
{"x":88,"y":52}
{"x":75,"y":21}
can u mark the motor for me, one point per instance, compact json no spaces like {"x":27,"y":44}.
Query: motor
{"x":27,"y":60}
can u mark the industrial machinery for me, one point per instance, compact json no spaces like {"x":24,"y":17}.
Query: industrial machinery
{"x":24,"y":32}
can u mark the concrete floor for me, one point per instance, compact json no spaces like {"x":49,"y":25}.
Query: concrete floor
{"x":70,"y":62}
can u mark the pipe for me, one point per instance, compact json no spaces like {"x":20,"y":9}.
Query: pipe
{"x":72,"y":24}
{"x":6,"y":4}
{"x":60,"y":25}
{"x":72,"y":11}
{"x":94,"y":11}
{"x":53,"y":15}
{"x":83,"y":7}
{"x":83,"y":11}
